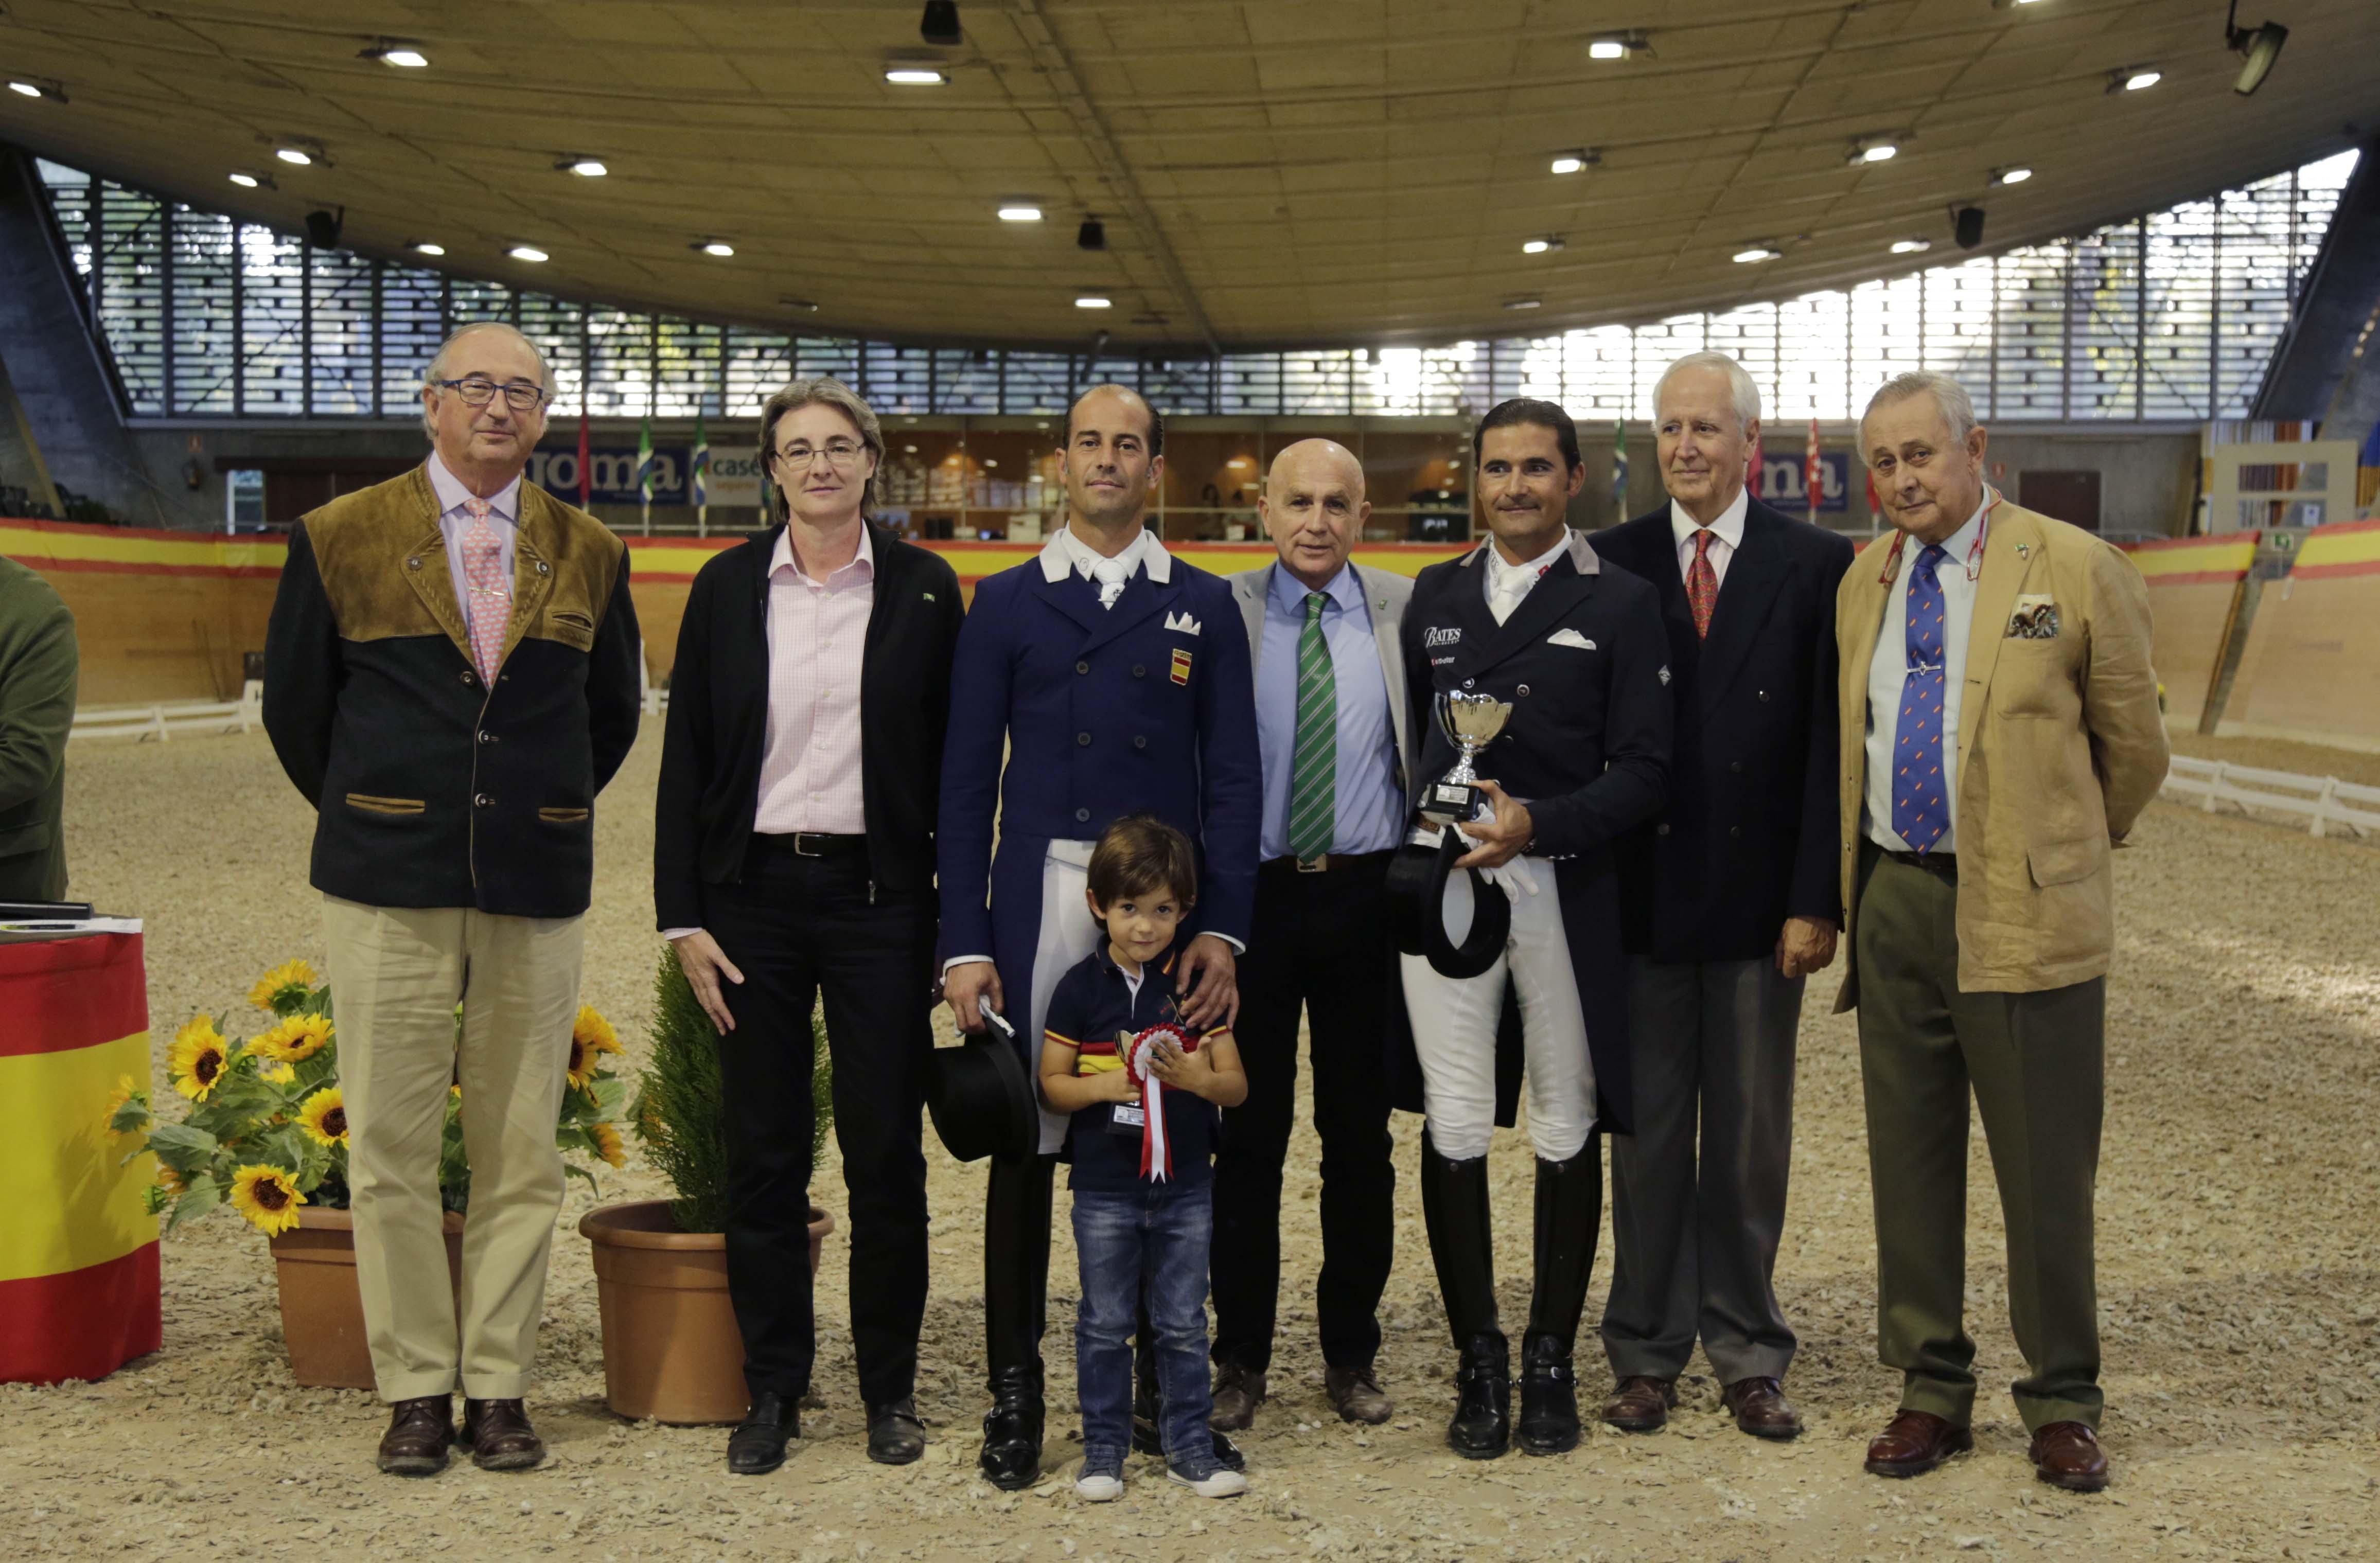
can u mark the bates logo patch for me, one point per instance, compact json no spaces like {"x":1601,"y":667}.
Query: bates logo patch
{"x":1181,"y":665}
{"x":1430,"y":637}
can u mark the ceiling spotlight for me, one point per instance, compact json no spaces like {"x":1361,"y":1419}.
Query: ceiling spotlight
{"x":1092,"y":235}
{"x":294,"y":156}
{"x":1912,"y":246}
{"x":1874,"y":149}
{"x":585,"y":168}
{"x":1091,"y":301}
{"x":425,"y":247}
{"x":1758,"y":253}
{"x":1522,"y":303}
{"x":1616,"y":45}
{"x":2135,"y":79}
{"x":1540,"y":246}
{"x":25,"y":87}
{"x":529,"y":252}
{"x":247,"y":181}
{"x":915,"y":76}
{"x":397,"y":51}
{"x":2016,"y":175}
{"x":940,"y":25}
{"x":1576,"y":162}
{"x":2259,"y":47}
{"x":720,"y":248}
{"x":1020,"y":214}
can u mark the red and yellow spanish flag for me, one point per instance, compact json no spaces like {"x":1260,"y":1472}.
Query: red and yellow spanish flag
{"x":78,"y":1294}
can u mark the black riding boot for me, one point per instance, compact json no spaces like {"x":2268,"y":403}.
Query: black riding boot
{"x":1015,"y":1293}
{"x":1454,"y":1207}
{"x":1569,"y":1204}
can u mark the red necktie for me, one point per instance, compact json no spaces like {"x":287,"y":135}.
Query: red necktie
{"x":489,"y":594}
{"x":1702,"y":583}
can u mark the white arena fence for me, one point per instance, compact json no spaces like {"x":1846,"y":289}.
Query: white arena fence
{"x":2322,"y":801}
{"x":160,"y":722}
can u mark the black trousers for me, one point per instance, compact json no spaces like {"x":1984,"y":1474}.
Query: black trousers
{"x":1320,"y":944}
{"x":797,"y":927}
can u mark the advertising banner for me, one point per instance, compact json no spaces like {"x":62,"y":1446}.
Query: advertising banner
{"x":1784,"y":486}
{"x":734,"y":477}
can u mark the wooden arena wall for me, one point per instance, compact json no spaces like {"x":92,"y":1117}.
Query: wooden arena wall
{"x":2194,"y":588}
{"x":2310,"y":669}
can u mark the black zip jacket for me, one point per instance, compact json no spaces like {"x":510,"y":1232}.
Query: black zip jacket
{"x":718,"y":726}
{"x":431,"y":786}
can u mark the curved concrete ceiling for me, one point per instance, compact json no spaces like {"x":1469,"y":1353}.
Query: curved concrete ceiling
{"x":1278,"y":171}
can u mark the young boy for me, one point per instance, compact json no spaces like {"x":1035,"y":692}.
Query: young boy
{"x":1143,"y":1191}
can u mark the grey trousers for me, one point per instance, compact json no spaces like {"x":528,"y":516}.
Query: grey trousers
{"x":1695,"y":1235}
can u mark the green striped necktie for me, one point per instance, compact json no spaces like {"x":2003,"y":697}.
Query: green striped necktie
{"x":1314,"y":772}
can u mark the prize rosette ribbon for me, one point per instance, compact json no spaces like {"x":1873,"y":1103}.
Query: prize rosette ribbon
{"x":1156,"y":1156}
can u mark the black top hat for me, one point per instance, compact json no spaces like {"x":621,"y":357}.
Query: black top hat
{"x":980,"y":1098}
{"x":1416,"y":887}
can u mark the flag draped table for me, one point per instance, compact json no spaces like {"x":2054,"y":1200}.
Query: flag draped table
{"x":78,"y":1294}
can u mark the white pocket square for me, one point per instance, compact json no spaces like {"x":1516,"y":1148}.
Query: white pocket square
{"x":1571,"y":638}
{"x":1182,"y":622}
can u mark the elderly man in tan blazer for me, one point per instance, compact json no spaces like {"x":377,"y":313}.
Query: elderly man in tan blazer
{"x":2000,"y":735}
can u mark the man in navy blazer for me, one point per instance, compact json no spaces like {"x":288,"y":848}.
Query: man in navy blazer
{"x":1117,"y":678}
{"x":1730,"y":899}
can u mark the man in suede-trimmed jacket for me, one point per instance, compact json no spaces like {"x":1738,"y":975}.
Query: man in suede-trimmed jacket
{"x":450,"y":679}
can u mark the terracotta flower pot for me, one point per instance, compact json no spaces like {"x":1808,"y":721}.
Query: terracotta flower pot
{"x":671,"y":1349}
{"x":321,"y":1306}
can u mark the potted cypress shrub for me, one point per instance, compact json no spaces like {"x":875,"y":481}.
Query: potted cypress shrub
{"x":671,"y":1348}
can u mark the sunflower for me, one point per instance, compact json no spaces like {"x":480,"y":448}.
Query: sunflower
{"x":169,"y":1180}
{"x":324,"y":1116}
{"x":268,"y":1196}
{"x":590,"y":1037}
{"x":276,"y":983}
{"x":276,"y":1075}
{"x":197,"y":1057}
{"x":607,"y":1145}
{"x":126,"y":1092}
{"x":294,"y":1040}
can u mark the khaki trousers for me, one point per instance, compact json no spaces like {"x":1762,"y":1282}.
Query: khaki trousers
{"x":396,"y":974}
{"x":2034,"y":1062}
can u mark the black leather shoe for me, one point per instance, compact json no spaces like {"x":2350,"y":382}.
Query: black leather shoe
{"x":1482,"y":1428}
{"x":1548,"y":1399}
{"x":501,"y":1437}
{"x":757,"y":1445}
{"x":1012,"y":1429}
{"x":419,"y":1433}
{"x":895,"y":1436}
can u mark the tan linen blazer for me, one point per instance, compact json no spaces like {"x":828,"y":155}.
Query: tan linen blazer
{"x":2061,"y":746}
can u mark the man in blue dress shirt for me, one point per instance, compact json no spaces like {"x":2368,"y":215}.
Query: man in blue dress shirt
{"x":1116,"y":677}
{"x":1330,"y":719}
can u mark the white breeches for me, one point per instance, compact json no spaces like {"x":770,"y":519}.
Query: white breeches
{"x":1454,"y":1031}
{"x":1067,"y":935}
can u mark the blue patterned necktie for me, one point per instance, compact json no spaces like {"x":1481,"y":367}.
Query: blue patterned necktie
{"x":1921,"y":809}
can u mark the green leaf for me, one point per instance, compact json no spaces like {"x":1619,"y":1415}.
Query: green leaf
{"x":611,"y":1096}
{"x":571,"y":1168}
{"x":202,"y":1196}
{"x":182,"y":1147}
{"x":132,"y":1117}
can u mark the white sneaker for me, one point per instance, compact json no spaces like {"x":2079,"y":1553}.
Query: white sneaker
{"x":1097,"y":1486}
{"x":1223,"y":1483}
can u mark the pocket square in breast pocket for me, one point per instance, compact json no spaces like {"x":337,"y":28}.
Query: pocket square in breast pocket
{"x":2033,"y":618}
{"x":1571,"y":638}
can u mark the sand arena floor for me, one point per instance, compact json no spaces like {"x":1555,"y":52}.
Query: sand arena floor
{"x":2240,"y":1290}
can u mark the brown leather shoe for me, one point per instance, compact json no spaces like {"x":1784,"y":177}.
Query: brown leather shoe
{"x":1355,"y":1395}
{"x":2066,"y":1454}
{"x":1761,"y":1409}
{"x":419,"y":1433}
{"x":1640,"y":1403}
{"x":1238,"y":1392}
{"x":1913,"y":1442}
{"x":500,"y":1435}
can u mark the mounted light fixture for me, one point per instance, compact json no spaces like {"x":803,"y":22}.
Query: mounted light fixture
{"x":529,"y":252}
{"x":2135,"y":79}
{"x":1576,"y":162}
{"x":425,"y":247}
{"x":1756,"y":254}
{"x":1523,"y":303}
{"x":585,"y":168}
{"x":1875,"y":149}
{"x":802,"y":306}
{"x":296,"y":157}
{"x":719,"y":248}
{"x":1092,"y":235}
{"x":28,"y":87}
{"x":1967,"y":226}
{"x":1617,"y":45}
{"x":2016,"y":175}
{"x":403,"y":54}
{"x":1912,"y":246}
{"x":915,"y":76}
{"x":248,"y":181}
{"x":1092,"y":301}
{"x":1020,"y":212}
{"x":940,"y":25}
{"x":1542,"y":246}
{"x":2259,"y":47}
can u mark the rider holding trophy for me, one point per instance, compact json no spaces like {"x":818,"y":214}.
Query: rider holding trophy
{"x":1541,"y":679}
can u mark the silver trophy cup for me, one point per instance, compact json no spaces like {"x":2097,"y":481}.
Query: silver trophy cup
{"x":1471,"y":722}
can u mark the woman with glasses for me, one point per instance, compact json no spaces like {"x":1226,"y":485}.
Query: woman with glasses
{"x":794,"y":857}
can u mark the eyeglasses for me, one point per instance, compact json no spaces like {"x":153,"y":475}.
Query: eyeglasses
{"x":478,"y":391}
{"x":838,"y":452}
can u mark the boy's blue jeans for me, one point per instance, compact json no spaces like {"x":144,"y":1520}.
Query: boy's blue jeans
{"x":1159,"y":1235}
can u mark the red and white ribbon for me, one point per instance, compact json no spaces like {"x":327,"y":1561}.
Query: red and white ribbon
{"x":1156,"y":1155}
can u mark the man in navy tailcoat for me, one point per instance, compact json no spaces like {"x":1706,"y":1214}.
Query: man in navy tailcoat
{"x":1117,"y":678}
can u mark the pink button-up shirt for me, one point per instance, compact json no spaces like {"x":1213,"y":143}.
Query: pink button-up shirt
{"x":818,"y":635}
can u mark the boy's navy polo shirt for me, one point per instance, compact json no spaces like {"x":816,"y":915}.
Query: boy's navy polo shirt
{"x":1092,"y":1005}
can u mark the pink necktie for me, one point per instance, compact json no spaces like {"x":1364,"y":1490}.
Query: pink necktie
{"x":491,"y":595}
